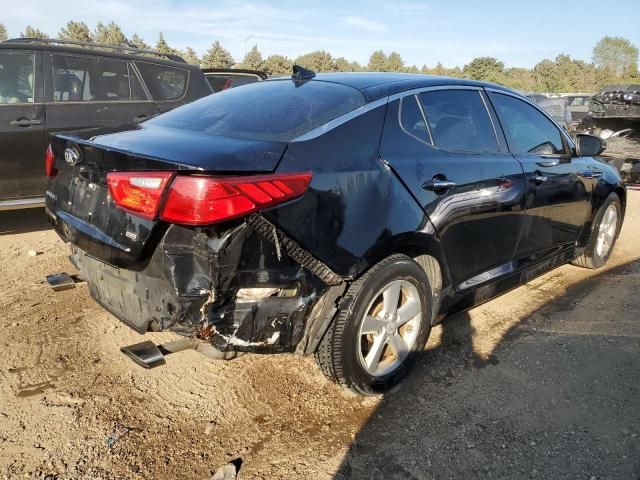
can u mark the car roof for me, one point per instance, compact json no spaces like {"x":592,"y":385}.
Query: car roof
{"x":16,"y":45}
{"x":375,"y":85}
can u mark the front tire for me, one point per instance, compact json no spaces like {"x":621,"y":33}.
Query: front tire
{"x":606,"y":227}
{"x":383,"y":323}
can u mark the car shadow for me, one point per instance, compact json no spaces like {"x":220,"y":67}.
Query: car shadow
{"x":23,"y":221}
{"x":558,"y":396}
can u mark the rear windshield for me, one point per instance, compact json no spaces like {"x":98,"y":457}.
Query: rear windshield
{"x":278,"y":110}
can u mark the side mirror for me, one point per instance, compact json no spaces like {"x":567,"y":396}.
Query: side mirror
{"x":589,"y":145}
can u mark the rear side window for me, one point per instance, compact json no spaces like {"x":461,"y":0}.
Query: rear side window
{"x":164,"y":83}
{"x":225,"y":82}
{"x":412,"y":120}
{"x":16,"y":77}
{"x":277,"y":110}
{"x":527,"y":130}
{"x":459,"y":121}
{"x":87,"y":79}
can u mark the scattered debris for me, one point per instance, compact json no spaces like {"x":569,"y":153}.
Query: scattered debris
{"x":119,"y":432}
{"x":60,"y":281}
{"x":228,"y":471}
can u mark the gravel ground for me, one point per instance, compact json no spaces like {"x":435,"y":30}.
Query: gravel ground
{"x":542,"y":382}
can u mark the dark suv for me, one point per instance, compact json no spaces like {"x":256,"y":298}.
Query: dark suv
{"x":47,"y":87}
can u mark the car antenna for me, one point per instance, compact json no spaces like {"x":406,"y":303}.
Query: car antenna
{"x":301,"y":73}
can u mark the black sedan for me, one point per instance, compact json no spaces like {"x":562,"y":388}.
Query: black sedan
{"x":340,"y":214}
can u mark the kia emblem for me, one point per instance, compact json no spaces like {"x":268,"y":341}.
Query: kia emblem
{"x":72,"y":155}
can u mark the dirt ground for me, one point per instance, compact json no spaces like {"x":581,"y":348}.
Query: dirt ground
{"x":543,"y":382}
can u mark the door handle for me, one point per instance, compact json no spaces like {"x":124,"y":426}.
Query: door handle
{"x":438,"y":185}
{"x":549,"y":162}
{"x":24,"y":122}
{"x":539,"y":179}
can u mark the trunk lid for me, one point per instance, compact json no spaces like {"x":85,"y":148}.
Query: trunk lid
{"x":79,"y":200}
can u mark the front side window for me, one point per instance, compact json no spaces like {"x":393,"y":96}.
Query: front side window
{"x":527,"y":130}
{"x":16,"y":77}
{"x":164,"y":83}
{"x":87,"y":79}
{"x":459,"y":121}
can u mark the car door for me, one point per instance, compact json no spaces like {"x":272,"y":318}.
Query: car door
{"x":22,"y":125}
{"x":558,"y":185}
{"x":445,"y":148}
{"x":88,"y":91}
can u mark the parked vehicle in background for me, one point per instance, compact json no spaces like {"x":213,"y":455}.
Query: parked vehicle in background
{"x":556,"y":107}
{"x":338,"y":214}
{"x":578,"y":105}
{"x":224,"y":78}
{"x":48,"y":86}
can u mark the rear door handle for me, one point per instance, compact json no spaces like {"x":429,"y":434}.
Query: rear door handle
{"x":438,"y":185}
{"x":539,"y":179}
{"x":551,"y":162}
{"x":24,"y":122}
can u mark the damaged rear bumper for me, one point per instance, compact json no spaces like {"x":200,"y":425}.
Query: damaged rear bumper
{"x":249,"y":288}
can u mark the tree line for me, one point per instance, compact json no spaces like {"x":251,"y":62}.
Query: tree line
{"x":614,"y":60}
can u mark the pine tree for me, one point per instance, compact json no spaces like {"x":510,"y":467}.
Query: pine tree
{"x":137,"y":42}
{"x":3,"y":33}
{"x":217,"y":57}
{"x":77,"y":31}
{"x":191,"y":56}
{"x":110,"y":34}
{"x":278,"y":65}
{"x":253,"y":59}
{"x":31,"y":32}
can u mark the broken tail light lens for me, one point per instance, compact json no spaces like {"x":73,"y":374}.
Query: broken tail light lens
{"x":139,"y":192}
{"x":49,"y":161}
{"x":201,"y":200}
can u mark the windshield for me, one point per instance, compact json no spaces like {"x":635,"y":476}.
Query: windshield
{"x":276,"y":110}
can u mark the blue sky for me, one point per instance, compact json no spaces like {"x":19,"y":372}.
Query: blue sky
{"x":453,"y":32}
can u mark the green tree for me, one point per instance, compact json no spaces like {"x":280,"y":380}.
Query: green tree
{"x":163,"y":47}
{"x":3,"y":33}
{"x":342,"y":65}
{"x":31,"y":32}
{"x":191,"y":56}
{"x":110,"y":34}
{"x":378,"y":62}
{"x":519,"y":79}
{"x":394,"y":62}
{"x":77,"y":31}
{"x":217,"y":57}
{"x":253,"y":59}
{"x":318,"y":61}
{"x":487,"y":69}
{"x":617,"y":54}
{"x":278,"y":65}
{"x":137,"y":42}
{"x":356,"y":67}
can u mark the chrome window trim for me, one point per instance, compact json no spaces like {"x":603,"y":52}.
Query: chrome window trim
{"x":336,"y":122}
{"x":563,"y":133}
{"x":417,"y":91}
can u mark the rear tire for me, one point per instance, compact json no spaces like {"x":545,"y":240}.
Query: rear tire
{"x":604,"y":232}
{"x":375,"y":321}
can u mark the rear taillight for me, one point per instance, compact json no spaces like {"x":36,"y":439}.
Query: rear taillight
{"x":49,"y":160}
{"x":200,"y":200}
{"x":139,"y":192}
